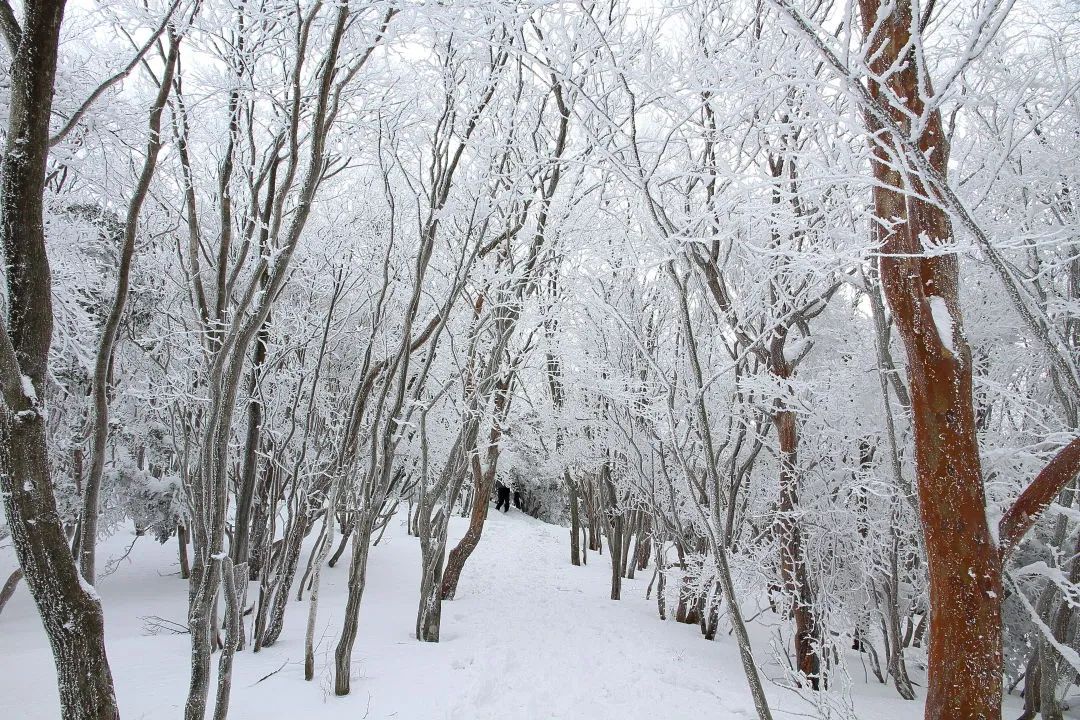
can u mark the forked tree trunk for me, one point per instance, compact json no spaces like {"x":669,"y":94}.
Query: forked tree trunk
{"x":484,"y":481}
{"x":432,"y":526}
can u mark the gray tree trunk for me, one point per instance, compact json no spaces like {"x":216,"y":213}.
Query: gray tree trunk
{"x":70,"y":610}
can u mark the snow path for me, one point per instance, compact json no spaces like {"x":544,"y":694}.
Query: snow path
{"x":529,"y":636}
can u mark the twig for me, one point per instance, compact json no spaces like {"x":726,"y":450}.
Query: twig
{"x":114,"y":563}
{"x":270,"y":674}
{"x":154,"y":625}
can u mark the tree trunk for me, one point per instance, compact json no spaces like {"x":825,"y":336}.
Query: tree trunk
{"x":70,"y":611}
{"x":483,"y":481}
{"x":963,"y":565}
{"x":610,"y":509}
{"x":9,"y":587}
{"x":278,"y":597}
{"x":432,"y":525}
{"x":455,"y":563}
{"x":232,"y":575}
{"x":346,"y":533}
{"x":643,"y":549}
{"x":88,"y":526}
{"x":895,"y":644}
{"x":324,"y":546}
{"x":1049,"y":659}
{"x":575,"y":520}
{"x":245,"y":497}
{"x":433,"y":554}
{"x":265,"y":498}
{"x":661,"y":582}
{"x":361,"y":540}
{"x":205,"y":579}
{"x":792,"y":563}
{"x":182,"y":543}
{"x":629,"y":562}
{"x":1032,"y":687}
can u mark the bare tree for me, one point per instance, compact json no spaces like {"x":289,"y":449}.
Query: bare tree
{"x":86,"y":543}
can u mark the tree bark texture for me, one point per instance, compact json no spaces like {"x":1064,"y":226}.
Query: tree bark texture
{"x":963,"y":565}
{"x":70,"y":611}
{"x":792,"y":563}
{"x":484,"y":482}
{"x":361,"y":540}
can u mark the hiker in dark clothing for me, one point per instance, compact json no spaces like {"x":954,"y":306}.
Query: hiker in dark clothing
{"x":504,"y":496}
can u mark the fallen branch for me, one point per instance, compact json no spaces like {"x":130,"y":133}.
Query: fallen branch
{"x":270,"y":674}
{"x":154,"y":625}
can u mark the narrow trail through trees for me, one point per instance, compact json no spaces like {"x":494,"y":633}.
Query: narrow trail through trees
{"x":527,"y":632}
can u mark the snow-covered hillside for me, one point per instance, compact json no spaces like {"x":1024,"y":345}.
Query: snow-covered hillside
{"x":530,"y":636}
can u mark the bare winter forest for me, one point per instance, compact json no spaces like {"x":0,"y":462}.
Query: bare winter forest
{"x":772,"y":304}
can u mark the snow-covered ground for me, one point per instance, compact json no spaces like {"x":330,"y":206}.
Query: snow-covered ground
{"x":530,"y":636}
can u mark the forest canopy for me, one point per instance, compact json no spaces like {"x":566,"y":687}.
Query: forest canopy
{"x":777,"y":300}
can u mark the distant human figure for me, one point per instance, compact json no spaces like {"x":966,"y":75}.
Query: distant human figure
{"x":504,"y":496}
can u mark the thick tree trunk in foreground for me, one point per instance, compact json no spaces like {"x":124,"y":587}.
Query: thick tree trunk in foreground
{"x":70,"y":612}
{"x":962,"y":559}
{"x":963,"y":562}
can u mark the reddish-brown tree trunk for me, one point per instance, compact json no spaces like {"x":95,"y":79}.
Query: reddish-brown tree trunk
{"x":792,"y":564}
{"x":962,"y":560}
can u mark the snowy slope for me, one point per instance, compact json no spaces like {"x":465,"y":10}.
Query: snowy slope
{"x":529,"y":636}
